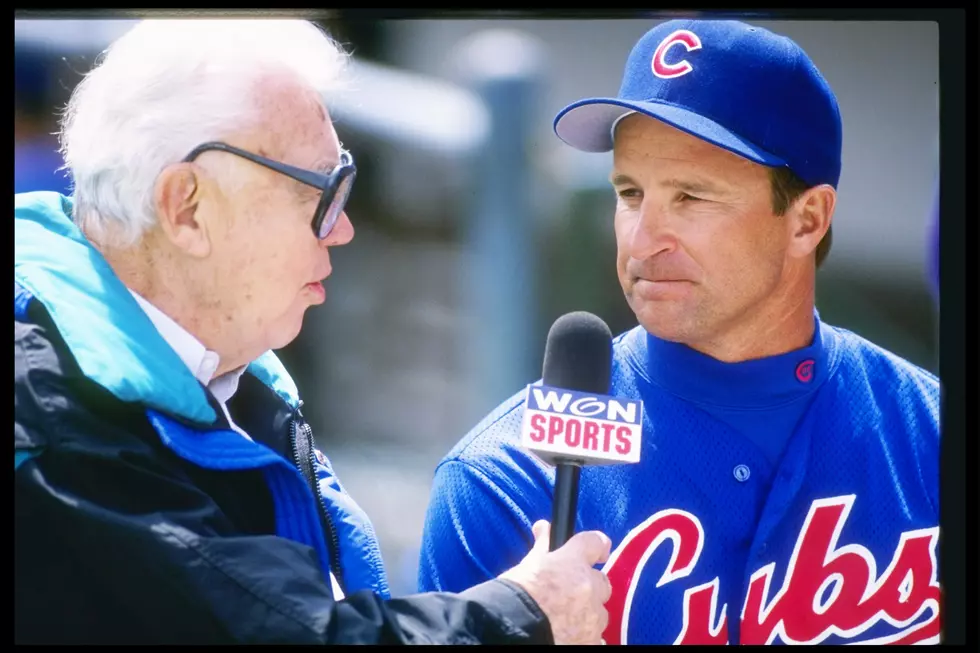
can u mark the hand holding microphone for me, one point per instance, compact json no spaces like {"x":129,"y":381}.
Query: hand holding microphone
{"x":565,"y":585}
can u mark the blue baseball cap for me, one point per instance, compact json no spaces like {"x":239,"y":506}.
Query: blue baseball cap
{"x":737,"y":86}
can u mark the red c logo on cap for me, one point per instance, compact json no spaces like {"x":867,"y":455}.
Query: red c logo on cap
{"x":665,"y":70}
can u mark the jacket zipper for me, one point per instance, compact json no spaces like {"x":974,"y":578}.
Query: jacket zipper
{"x":333,"y":543}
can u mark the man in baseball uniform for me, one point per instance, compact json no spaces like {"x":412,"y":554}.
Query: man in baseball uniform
{"x":787,"y":490}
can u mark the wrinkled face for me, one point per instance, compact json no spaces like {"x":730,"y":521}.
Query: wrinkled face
{"x":699,"y":249}
{"x":266,"y":263}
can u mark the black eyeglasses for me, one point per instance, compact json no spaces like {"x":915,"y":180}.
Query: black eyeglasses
{"x":335,"y":186}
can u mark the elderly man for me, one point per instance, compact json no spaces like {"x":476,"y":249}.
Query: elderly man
{"x":168,"y":489}
{"x":788,"y":487}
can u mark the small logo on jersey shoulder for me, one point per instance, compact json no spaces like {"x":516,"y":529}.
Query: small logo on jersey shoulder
{"x":804,"y":371}
{"x":320,"y":457}
{"x":659,"y":64}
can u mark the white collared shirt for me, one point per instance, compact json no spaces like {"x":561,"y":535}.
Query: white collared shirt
{"x":202,"y":362}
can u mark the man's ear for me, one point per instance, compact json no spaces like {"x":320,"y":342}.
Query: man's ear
{"x":177,"y":196}
{"x":810,"y":218}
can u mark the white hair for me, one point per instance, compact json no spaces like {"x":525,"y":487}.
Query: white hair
{"x":165,"y":87}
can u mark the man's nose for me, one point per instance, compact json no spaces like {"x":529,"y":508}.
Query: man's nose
{"x":342,"y":232}
{"x":652,"y":233}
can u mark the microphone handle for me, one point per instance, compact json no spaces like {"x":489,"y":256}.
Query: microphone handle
{"x":566,"y":503}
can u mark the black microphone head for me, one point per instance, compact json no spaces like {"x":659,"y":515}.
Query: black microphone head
{"x":578,"y":354}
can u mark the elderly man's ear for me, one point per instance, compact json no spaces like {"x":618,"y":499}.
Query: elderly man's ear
{"x":178,"y":198}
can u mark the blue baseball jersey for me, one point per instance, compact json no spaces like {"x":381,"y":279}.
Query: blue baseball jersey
{"x":791,"y":499}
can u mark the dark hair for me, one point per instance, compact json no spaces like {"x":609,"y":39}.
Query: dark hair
{"x":786,"y":189}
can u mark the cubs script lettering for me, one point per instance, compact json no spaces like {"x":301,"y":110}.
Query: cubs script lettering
{"x":829,"y":588}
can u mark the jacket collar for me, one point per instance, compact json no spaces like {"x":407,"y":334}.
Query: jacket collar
{"x":114,"y":342}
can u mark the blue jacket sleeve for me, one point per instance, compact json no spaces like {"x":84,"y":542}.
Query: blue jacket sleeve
{"x":475,"y":529}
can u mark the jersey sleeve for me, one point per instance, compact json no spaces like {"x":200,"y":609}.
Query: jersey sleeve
{"x":928,"y":426}
{"x":478,"y":524}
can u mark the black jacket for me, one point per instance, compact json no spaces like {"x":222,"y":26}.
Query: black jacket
{"x":141,"y":517}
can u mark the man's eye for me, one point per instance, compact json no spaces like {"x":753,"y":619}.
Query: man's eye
{"x":628,"y":193}
{"x":685,"y":197}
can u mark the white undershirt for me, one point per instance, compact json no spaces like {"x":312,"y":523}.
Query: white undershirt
{"x":202,"y":362}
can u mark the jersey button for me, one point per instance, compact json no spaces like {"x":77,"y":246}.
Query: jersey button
{"x":741,"y":473}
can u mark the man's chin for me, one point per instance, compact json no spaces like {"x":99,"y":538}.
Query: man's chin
{"x":288,"y":328}
{"x":665,"y":320}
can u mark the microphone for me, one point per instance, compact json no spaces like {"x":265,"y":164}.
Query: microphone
{"x":570,"y":420}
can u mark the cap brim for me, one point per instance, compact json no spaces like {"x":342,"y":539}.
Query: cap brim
{"x":587,"y":125}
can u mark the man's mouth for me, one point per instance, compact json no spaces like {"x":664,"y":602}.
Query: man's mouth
{"x":661,"y":280}
{"x":316,"y":288}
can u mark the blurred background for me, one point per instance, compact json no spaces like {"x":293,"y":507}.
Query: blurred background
{"x":477,"y":228}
